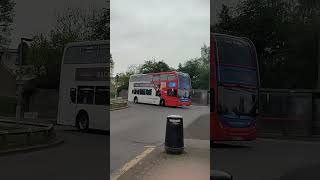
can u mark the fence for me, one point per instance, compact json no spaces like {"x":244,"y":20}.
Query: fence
{"x":200,"y":97}
{"x":288,"y":113}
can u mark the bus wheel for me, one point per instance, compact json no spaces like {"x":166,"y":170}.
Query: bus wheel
{"x":162,"y":102}
{"x":135,"y":100}
{"x":82,"y":121}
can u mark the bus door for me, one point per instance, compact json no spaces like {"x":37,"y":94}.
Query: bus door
{"x":101,"y":112}
{"x":69,"y":110}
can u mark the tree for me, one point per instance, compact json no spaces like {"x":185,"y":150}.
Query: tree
{"x":71,"y":26}
{"x":153,"y":66}
{"x":6,"y":20}
{"x":283,"y":36}
{"x":100,"y":24}
{"x":123,"y":78}
{"x":198,"y":69}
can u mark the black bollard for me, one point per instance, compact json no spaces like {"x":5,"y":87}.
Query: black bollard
{"x":174,"y":140}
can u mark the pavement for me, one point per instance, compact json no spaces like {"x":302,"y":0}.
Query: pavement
{"x":193,"y":164}
{"x":154,"y":163}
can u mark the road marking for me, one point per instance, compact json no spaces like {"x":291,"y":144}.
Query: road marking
{"x":132,"y":163}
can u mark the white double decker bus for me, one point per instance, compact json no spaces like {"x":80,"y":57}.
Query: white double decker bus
{"x":163,"y":88}
{"x":84,"y":86}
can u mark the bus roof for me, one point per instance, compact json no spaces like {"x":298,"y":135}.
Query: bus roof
{"x":233,"y":37}
{"x":171,"y":72}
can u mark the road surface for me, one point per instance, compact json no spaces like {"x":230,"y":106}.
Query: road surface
{"x":143,"y":125}
{"x":83,"y":156}
{"x":267,"y":159}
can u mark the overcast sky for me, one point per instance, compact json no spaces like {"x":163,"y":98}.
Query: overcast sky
{"x":33,"y":16}
{"x":170,"y":30}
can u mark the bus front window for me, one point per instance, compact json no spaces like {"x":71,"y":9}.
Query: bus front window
{"x":184,"y":81}
{"x":184,"y":86}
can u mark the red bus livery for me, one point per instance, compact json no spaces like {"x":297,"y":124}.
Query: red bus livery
{"x":234,"y":88}
{"x":164,"y":88}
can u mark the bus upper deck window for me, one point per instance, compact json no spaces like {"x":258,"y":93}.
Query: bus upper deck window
{"x":171,"y":77}
{"x":156,"y":78}
{"x":163,"y":77}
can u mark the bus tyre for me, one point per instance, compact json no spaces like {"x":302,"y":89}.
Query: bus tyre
{"x":82,"y":121}
{"x":135,"y":100}
{"x":162,"y":102}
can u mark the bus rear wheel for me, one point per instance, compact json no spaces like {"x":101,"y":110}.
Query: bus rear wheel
{"x":135,"y":100}
{"x":82,"y":121}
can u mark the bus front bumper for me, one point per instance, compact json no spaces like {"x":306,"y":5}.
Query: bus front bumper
{"x":219,"y":133}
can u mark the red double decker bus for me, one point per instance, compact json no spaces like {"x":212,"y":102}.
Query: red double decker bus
{"x":234,"y":88}
{"x":164,"y":88}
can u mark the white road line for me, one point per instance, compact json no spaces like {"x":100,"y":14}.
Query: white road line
{"x":132,"y":163}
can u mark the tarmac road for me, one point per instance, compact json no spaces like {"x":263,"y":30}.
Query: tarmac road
{"x":143,"y":125}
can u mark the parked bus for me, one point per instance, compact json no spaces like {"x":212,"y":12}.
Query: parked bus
{"x":234,"y":87}
{"x":164,"y":88}
{"x":84,"y":86}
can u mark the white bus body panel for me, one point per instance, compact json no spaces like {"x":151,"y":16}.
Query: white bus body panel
{"x":67,"y":111}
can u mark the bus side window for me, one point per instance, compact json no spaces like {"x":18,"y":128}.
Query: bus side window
{"x":85,"y":95}
{"x":156,"y":78}
{"x":73,"y":95}
{"x":101,"y":95}
{"x":142,"y":91}
{"x":149,"y":92}
{"x":163,"y":77}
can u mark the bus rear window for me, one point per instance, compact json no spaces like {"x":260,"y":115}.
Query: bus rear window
{"x":234,"y":52}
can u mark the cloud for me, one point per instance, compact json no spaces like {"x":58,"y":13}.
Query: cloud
{"x":169,"y":30}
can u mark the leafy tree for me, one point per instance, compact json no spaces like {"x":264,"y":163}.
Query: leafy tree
{"x":123,"y":78}
{"x":6,"y":20}
{"x":71,"y":26}
{"x":284,"y":35}
{"x":100,"y":24}
{"x":153,"y":66}
{"x":198,"y":69}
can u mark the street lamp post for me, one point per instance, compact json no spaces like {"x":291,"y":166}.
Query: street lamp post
{"x":19,"y":112}
{"x":117,"y":78}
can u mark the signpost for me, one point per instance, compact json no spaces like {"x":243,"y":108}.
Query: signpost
{"x":20,"y":83}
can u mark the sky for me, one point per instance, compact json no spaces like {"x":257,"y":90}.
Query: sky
{"x":35,"y":16}
{"x":173,"y":31}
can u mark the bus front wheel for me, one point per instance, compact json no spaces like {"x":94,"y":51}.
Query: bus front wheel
{"x":162,"y":102}
{"x":82,"y":121}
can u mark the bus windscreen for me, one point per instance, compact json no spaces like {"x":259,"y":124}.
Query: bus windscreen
{"x":184,"y":81}
{"x":234,"y":52}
